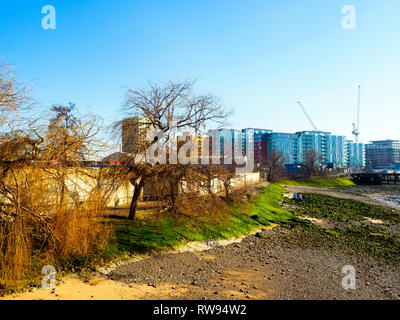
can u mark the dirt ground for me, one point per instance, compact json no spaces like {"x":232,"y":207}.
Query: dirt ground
{"x":257,"y":267}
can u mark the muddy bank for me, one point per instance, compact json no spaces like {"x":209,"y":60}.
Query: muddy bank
{"x":267,"y":267}
{"x":368,"y":194}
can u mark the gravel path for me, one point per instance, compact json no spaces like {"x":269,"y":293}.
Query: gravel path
{"x":260,"y":268}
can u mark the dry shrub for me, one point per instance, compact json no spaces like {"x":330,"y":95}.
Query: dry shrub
{"x":15,"y":245}
{"x":34,"y":226}
{"x":217,"y":205}
{"x":204,"y":206}
{"x":41,"y":218}
{"x":78,"y":231}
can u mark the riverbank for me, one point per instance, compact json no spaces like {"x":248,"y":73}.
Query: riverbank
{"x":298,"y":259}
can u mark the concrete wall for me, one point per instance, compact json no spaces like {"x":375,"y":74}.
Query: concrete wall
{"x":122,"y":196}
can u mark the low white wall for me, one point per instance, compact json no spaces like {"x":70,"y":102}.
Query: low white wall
{"x":84,"y":185}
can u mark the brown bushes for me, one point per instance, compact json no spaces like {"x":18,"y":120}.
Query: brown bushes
{"x":43,"y":219}
{"x":15,"y":245}
{"x":78,"y":233}
{"x":34,"y":227}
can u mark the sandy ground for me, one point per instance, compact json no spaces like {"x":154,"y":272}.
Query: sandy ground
{"x":78,"y":288}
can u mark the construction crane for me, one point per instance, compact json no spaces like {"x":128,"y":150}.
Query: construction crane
{"x":308,"y":117}
{"x":356,"y":126}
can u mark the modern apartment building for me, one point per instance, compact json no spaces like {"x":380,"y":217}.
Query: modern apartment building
{"x":334,"y":150}
{"x":259,"y":147}
{"x":294,"y":146}
{"x":329,"y":147}
{"x":383,"y":154}
{"x":242,"y":140}
{"x":355,"y":154}
{"x":222,"y":139}
{"x":286,"y":143}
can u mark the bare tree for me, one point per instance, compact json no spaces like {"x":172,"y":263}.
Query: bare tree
{"x":311,"y":162}
{"x":68,"y":139}
{"x":13,"y":96}
{"x":164,"y":108}
{"x":274,"y":165}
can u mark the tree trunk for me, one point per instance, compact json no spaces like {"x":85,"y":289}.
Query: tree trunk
{"x":227,"y":190}
{"x":135,"y":198}
{"x":174,"y":196}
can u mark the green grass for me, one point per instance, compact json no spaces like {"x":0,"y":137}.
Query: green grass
{"x":169,"y":231}
{"x":320,"y":182}
{"x":267,"y":207}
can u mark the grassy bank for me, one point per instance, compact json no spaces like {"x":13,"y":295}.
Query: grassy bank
{"x":168,"y":232}
{"x":320,"y":182}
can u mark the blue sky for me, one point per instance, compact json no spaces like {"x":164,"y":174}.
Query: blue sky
{"x":258,"y":56}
